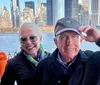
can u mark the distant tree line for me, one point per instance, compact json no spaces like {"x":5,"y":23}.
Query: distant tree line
{"x":8,"y":30}
{"x":15,"y":30}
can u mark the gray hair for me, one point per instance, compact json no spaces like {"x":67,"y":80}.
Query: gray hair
{"x":32,"y":25}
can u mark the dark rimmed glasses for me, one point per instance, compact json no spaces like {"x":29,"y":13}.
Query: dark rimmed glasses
{"x":25,"y":39}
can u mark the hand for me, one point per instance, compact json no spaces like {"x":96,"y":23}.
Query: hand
{"x":92,"y":33}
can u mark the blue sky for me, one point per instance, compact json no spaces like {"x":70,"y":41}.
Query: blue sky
{"x":7,"y":3}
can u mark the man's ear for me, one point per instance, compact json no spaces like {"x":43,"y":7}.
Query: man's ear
{"x":55,"y":41}
{"x":40,"y":38}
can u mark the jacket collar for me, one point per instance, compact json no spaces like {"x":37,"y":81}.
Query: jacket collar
{"x":82,"y":57}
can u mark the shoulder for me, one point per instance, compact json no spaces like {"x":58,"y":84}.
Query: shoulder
{"x":18,"y":59}
{"x":18,"y":56}
{"x":85,"y":55}
{"x":51,"y":59}
{"x":44,"y":62}
{"x":95,"y":57}
{"x":88,"y":53}
{"x":93,"y":63}
{"x":47,"y":54}
{"x":92,"y":56}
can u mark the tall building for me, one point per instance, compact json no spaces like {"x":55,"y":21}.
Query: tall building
{"x":55,"y":10}
{"x":15,"y":12}
{"x":30,"y":4}
{"x":27,"y":15}
{"x":95,"y":13}
{"x":5,"y":21}
{"x":40,"y":16}
{"x":83,"y":15}
{"x":58,"y":10}
{"x":68,"y":8}
{"x":49,"y":12}
{"x":71,"y":8}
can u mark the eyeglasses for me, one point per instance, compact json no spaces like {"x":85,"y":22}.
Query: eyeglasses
{"x":25,"y":39}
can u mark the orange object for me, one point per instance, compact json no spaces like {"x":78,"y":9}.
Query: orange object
{"x":3,"y":62}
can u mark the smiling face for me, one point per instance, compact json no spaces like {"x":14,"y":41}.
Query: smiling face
{"x":30,"y":40}
{"x":68,"y":44}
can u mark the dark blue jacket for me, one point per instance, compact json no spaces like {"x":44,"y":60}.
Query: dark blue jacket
{"x":21,"y":70}
{"x":84,"y":71}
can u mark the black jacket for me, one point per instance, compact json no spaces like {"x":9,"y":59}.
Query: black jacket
{"x":21,"y":70}
{"x":84,"y":71}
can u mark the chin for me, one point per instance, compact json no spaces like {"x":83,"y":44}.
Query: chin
{"x":30,"y":52}
{"x":71,"y":56}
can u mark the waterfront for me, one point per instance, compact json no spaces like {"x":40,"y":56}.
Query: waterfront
{"x":9,"y":43}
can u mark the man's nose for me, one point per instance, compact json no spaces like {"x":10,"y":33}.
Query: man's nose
{"x":69,"y":40}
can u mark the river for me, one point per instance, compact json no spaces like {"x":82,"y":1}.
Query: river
{"x":9,"y":43}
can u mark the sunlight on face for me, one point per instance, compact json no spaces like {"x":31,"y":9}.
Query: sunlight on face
{"x":31,"y":45}
{"x":68,"y":44}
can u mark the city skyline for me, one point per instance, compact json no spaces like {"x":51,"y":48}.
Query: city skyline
{"x":21,"y":2}
{"x":67,"y":8}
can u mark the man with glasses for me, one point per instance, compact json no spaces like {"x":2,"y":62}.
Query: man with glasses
{"x":68,"y":64}
{"x":22,"y":67}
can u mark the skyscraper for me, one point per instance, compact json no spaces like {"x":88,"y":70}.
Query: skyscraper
{"x":5,"y":21}
{"x":15,"y":12}
{"x":83,"y":15}
{"x":68,"y":8}
{"x":49,"y":12}
{"x":95,"y":13}
{"x":30,"y":4}
{"x":71,"y":8}
{"x":58,"y":10}
{"x":55,"y":11}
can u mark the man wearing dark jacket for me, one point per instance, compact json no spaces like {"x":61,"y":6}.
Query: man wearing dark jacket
{"x":22,"y":67}
{"x":68,"y":64}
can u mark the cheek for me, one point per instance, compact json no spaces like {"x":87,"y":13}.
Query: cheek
{"x":60,"y":44}
{"x":37,"y":44}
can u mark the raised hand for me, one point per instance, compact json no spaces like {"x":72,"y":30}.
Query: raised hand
{"x":92,"y":34}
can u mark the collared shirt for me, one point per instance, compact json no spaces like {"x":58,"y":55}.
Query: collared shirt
{"x":60,"y":60}
{"x":64,"y":63}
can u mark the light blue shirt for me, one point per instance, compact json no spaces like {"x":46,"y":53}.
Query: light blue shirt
{"x":62,"y":62}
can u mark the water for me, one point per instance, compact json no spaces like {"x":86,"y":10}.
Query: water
{"x":9,"y":43}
